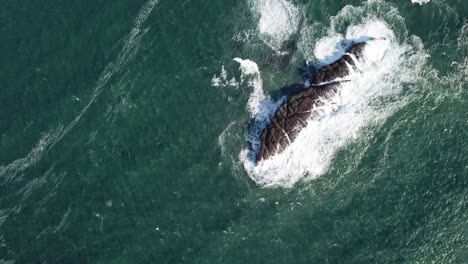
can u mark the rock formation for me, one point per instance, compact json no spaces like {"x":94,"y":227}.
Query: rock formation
{"x":293,"y":114}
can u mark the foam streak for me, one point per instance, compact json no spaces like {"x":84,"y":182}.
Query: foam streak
{"x":48,"y":141}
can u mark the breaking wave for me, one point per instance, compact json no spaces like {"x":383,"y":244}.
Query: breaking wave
{"x":277,"y":20}
{"x":390,"y":65}
{"x":420,"y":2}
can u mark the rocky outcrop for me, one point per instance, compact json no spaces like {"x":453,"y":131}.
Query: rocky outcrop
{"x":293,"y":114}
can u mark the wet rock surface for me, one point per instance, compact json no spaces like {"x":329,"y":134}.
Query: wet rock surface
{"x":292,"y":116}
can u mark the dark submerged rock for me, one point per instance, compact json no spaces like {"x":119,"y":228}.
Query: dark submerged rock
{"x":291,"y":117}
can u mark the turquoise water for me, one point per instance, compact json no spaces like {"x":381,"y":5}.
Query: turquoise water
{"x":116,"y":147}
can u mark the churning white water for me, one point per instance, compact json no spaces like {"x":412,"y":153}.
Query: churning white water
{"x":278,"y":20}
{"x":386,"y":65}
{"x":420,"y":2}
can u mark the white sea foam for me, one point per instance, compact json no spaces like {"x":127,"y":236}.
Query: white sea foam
{"x":223,"y":81}
{"x":250,"y":75}
{"x":279,"y":19}
{"x":369,"y":97}
{"x":249,"y":70}
{"x":420,"y":2}
{"x":326,"y":49}
{"x":10,"y":171}
{"x":218,"y":81}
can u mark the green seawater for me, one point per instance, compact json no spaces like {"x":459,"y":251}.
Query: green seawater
{"x":116,"y":148}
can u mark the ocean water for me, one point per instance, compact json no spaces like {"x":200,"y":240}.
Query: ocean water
{"x":124,"y":129}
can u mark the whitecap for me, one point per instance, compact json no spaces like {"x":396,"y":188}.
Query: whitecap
{"x":420,"y":2}
{"x":249,"y":69}
{"x":278,"y":21}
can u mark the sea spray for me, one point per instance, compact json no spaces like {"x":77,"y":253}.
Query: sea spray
{"x":278,"y":21}
{"x":420,"y":2}
{"x":249,"y":69}
{"x":371,"y":95}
